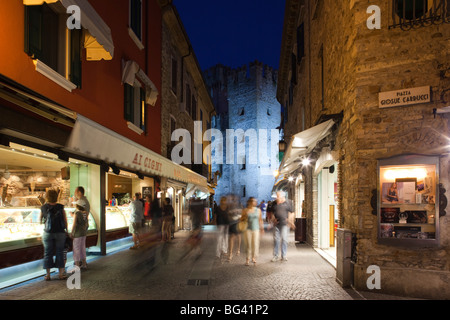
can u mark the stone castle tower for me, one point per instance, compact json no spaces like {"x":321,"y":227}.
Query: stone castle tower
{"x":245,"y":99}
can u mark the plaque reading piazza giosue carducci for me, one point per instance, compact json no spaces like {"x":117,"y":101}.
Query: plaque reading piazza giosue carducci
{"x":404,"y":97}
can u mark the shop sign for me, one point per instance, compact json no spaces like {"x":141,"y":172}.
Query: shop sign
{"x":147,"y":162}
{"x":404,"y":97}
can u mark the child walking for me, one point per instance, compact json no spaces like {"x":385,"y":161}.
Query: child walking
{"x":79,"y":232}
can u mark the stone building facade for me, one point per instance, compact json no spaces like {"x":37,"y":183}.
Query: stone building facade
{"x":186,"y":108}
{"x":186,"y":98}
{"x":335,"y":67}
{"x":245,"y":100}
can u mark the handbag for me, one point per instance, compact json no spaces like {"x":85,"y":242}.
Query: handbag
{"x":242,"y":225}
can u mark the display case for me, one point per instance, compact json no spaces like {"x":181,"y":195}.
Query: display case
{"x":407,"y":197}
{"x":117,"y":217}
{"x":92,"y":225}
{"x":20,"y":227}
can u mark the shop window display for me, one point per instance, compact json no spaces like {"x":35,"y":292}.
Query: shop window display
{"x":27,"y":174}
{"x":407,"y":213}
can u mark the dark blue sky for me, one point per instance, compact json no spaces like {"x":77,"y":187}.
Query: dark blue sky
{"x":233,"y":32}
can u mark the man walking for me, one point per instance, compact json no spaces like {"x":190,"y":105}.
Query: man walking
{"x":136,"y":216}
{"x":280,"y":220}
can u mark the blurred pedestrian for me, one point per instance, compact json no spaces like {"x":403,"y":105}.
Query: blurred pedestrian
{"x":54,"y":237}
{"x":147,"y":208}
{"x":252,"y":214}
{"x":234,"y":214}
{"x":137,"y":212}
{"x":168,"y":215}
{"x":222,"y":227}
{"x":263,"y":208}
{"x":197,"y":210}
{"x":269,"y":211}
{"x":280,"y":219}
{"x":156,"y":213}
{"x":79,"y":233}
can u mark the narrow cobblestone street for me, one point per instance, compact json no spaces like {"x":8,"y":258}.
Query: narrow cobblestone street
{"x":170,"y":272}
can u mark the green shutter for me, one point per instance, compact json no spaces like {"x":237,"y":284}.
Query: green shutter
{"x":76,"y":38}
{"x":128,"y":112}
{"x":33,"y":31}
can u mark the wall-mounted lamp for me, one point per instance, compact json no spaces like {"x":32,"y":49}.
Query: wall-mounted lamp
{"x":115,"y":170}
{"x":441,"y":111}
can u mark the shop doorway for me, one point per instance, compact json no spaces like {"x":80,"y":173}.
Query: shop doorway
{"x":120,"y":190}
{"x":327,"y":208}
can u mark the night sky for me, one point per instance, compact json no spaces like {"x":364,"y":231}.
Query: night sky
{"x":233,"y":32}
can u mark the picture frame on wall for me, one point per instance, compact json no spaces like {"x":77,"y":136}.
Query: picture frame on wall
{"x":406,"y":190}
{"x":147,"y":191}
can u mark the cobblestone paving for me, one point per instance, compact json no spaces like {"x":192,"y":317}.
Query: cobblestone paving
{"x":166,"y":272}
{"x":305,"y":276}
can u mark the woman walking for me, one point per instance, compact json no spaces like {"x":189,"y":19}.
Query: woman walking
{"x":255,"y":225}
{"x":54,"y":237}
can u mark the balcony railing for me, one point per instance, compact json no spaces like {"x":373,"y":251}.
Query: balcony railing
{"x":412,"y":14}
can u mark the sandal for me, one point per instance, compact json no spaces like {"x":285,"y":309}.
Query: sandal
{"x":47,"y":278}
{"x":247,"y":263}
{"x":62,"y":277}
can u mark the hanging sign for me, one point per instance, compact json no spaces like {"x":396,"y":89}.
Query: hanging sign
{"x":404,"y":97}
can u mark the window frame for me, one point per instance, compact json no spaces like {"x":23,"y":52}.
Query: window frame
{"x":64,"y":65}
{"x":135,"y":106}
{"x":136,"y":35}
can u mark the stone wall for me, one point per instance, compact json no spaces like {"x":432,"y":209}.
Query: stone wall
{"x":392,"y":60}
{"x":358,"y":64}
{"x":247,"y":98}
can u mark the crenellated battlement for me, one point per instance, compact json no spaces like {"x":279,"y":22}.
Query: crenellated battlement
{"x":254,"y":71}
{"x":248,"y":73}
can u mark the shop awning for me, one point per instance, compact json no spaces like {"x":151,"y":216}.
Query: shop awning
{"x":90,"y":139}
{"x":130,"y":71}
{"x":302,"y":144}
{"x":98,"y":40}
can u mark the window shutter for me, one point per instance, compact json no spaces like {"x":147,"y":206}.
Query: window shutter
{"x":76,"y":46}
{"x":143,"y":122}
{"x":128,"y":103}
{"x":33,"y":31}
{"x":135,"y":19}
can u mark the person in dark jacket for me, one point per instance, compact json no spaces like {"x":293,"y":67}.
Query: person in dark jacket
{"x":168,"y":214}
{"x":54,"y":237}
{"x":222,"y":227}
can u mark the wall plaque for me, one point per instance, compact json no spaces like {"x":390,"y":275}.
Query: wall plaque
{"x":404,"y":97}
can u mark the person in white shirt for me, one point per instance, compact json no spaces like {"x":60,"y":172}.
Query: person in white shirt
{"x":136,"y":216}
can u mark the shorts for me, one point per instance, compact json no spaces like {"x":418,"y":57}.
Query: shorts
{"x":135,"y":227}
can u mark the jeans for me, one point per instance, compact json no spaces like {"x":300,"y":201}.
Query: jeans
{"x":54,"y":246}
{"x":280,"y":233}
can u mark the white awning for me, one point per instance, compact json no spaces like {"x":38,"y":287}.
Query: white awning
{"x":90,"y":139}
{"x":131,"y":69}
{"x":302,"y":144}
{"x":98,"y":40}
